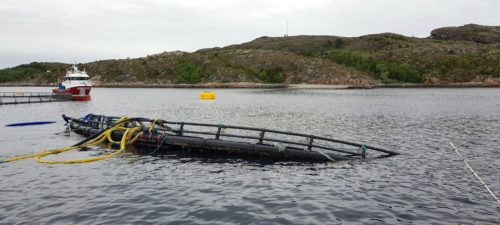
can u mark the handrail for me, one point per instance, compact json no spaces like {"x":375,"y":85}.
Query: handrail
{"x":26,"y":94}
{"x":261,"y":137}
{"x":7,"y":98}
{"x":311,"y":137}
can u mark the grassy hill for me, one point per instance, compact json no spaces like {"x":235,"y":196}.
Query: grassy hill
{"x":450,"y":55}
{"x":219,"y":66}
{"x":392,"y":57}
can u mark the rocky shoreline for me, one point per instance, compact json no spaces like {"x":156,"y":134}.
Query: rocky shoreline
{"x":451,"y":85}
{"x":274,"y":86}
{"x":202,"y":85}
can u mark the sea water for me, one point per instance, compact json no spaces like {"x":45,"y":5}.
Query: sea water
{"x":428,"y":183}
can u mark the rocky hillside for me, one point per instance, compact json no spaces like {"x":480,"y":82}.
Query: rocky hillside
{"x":396,"y":58}
{"x":470,"y":32}
{"x":218,"y":66}
{"x":464,"y":54}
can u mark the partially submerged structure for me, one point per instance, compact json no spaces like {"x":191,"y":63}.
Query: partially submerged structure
{"x":206,"y":140}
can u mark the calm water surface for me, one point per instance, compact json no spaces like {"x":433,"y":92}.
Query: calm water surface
{"x":428,"y":184}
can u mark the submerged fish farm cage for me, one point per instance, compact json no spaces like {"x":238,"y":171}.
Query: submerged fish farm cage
{"x":206,"y":140}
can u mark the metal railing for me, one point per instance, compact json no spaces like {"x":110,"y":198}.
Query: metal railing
{"x":261,"y":137}
{"x":32,"y":97}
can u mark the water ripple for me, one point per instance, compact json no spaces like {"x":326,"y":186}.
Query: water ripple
{"x":428,"y":184}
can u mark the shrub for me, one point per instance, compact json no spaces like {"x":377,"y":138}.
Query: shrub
{"x":273,"y":75}
{"x":186,"y":71}
{"x":496,"y":72}
{"x":339,"y":43}
{"x":378,"y":68}
{"x":462,"y":61}
{"x":21,"y":72}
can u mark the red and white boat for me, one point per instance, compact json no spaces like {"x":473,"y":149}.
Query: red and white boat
{"x":74,"y":82}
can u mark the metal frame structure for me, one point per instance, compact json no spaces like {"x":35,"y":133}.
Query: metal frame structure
{"x":186,"y":134}
{"x":32,"y":97}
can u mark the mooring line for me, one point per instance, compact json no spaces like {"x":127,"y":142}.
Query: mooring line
{"x":474,"y":172}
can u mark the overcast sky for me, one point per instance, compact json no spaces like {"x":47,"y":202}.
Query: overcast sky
{"x":88,"y":30}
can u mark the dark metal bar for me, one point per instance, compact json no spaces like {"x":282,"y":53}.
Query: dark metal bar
{"x":218,"y":133}
{"x":272,"y":140}
{"x":196,"y":132}
{"x":275,"y":140}
{"x":261,"y":138}
{"x":309,"y":147}
{"x":181,"y":128}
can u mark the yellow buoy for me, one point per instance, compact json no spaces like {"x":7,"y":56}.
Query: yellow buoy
{"x":207,"y":95}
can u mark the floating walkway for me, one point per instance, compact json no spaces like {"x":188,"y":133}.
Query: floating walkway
{"x":208,"y":140}
{"x":9,"y":98}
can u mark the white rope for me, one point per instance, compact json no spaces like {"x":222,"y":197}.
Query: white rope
{"x":474,"y":172}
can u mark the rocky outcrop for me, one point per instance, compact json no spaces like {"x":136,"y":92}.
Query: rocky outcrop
{"x":470,"y":32}
{"x":329,"y":60}
{"x":298,"y":69}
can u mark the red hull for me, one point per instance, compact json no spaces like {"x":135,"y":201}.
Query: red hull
{"x":81,"y":97}
{"x":80,"y":93}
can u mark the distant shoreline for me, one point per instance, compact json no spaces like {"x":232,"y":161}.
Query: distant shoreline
{"x":271,"y":86}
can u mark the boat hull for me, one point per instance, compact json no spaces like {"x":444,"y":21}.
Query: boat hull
{"x":81,"y":97}
{"x":79,"y":93}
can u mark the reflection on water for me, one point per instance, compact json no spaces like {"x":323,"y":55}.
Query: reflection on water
{"x":427,"y":184}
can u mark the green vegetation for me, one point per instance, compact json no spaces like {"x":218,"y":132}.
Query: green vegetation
{"x":378,"y":68}
{"x":273,"y":75}
{"x":21,"y":72}
{"x":268,"y":76}
{"x":467,"y":61}
{"x":187,"y":72}
{"x":470,"y":53}
{"x":396,"y":58}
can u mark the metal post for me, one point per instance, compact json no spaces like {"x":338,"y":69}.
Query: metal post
{"x":181,"y":128}
{"x":261,"y":136}
{"x":363,"y":151}
{"x":309,"y":147}
{"x":218,"y":133}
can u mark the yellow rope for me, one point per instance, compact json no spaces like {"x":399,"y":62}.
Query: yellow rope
{"x":106,"y":135}
{"x":152,"y":125}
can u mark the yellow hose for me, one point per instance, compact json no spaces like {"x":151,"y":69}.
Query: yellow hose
{"x":106,"y":135}
{"x":152,"y":125}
